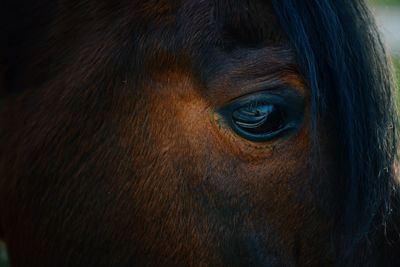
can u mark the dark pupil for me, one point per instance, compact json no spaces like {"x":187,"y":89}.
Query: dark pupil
{"x":259,"y":119}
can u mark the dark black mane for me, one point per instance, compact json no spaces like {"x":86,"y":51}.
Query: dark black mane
{"x":345,"y":63}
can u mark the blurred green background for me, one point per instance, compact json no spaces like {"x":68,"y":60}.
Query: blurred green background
{"x":388,"y":18}
{"x":387,"y":11}
{"x":396,"y":61}
{"x":385,"y":2}
{"x":3,"y":256}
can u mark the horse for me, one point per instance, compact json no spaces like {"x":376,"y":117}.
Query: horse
{"x":197,"y":133}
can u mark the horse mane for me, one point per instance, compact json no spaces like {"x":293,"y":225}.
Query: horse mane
{"x":343,"y":59}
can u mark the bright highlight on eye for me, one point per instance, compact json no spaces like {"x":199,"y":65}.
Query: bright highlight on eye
{"x":265,"y":115}
{"x":259,"y":118}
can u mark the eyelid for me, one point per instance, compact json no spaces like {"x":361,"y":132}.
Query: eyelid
{"x":276,"y":95}
{"x":230,"y":88}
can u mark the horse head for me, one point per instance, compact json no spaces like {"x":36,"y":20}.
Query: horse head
{"x":196,"y":133}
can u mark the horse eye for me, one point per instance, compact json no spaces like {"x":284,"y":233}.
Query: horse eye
{"x":259,"y":119}
{"x":265,"y":116}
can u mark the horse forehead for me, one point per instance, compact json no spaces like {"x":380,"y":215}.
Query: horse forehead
{"x":221,"y":6}
{"x":203,"y":18}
